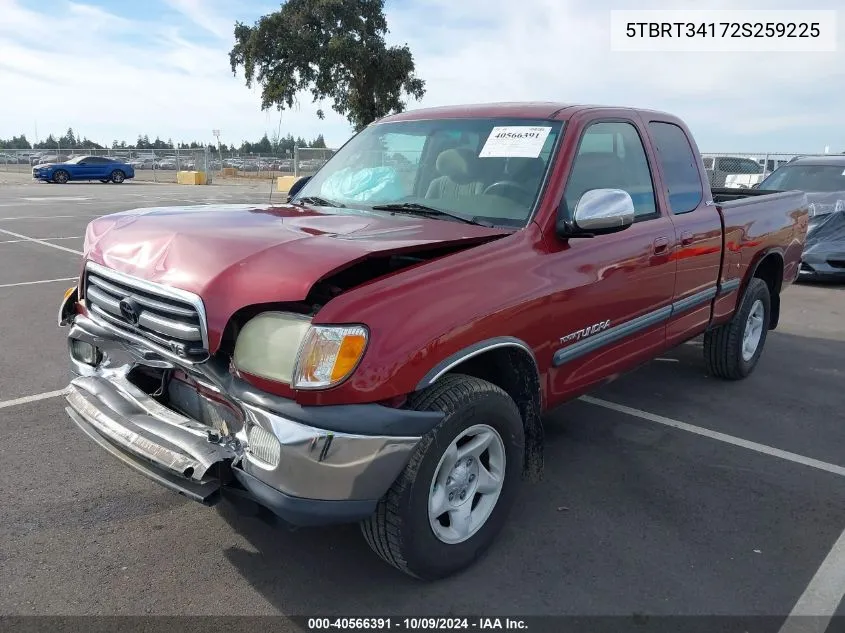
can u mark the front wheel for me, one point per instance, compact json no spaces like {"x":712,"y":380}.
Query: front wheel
{"x":117,"y":176}
{"x":733,"y":349}
{"x":448,"y":505}
{"x":61,"y":176}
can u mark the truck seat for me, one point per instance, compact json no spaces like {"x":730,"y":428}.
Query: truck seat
{"x":459,"y":175}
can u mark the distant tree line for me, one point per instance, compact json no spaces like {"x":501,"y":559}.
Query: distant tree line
{"x":276,"y":145}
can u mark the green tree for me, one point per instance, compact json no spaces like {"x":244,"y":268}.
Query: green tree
{"x":48,"y":143}
{"x":335,"y":49}
{"x":68,"y":140}
{"x":319,"y":142}
{"x":264,"y":146}
{"x":16,"y":142}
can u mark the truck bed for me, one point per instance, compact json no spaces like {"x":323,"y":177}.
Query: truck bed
{"x":756,"y":222}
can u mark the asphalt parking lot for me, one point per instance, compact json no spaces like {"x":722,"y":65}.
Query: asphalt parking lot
{"x":666,"y":493}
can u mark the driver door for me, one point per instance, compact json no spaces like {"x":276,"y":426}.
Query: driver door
{"x":85,"y":169}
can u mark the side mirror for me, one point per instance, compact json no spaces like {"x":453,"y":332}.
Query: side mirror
{"x":297,"y":186}
{"x":600,"y":211}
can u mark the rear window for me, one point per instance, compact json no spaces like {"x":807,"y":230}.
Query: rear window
{"x":812,"y":178}
{"x":679,"y":166}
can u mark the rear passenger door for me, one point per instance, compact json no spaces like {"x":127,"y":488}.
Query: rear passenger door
{"x":614,"y":290}
{"x":698,"y":230}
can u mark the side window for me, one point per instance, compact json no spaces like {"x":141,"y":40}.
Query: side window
{"x":611,"y":156}
{"x":749,"y":166}
{"x":680,"y":167}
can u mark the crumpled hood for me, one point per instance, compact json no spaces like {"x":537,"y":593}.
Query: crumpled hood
{"x":234,"y":256}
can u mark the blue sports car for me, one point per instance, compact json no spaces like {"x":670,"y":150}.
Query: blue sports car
{"x":84,"y":168}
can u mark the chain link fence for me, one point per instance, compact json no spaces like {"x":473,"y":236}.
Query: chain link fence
{"x":162,"y":165}
{"x":724,"y":169}
{"x":737,"y":170}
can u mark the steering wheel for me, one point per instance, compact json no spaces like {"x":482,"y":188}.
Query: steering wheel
{"x":506,"y":186}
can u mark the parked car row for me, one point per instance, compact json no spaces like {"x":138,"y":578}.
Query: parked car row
{"x":170,"y":163}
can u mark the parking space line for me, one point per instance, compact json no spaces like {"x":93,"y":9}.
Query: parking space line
{"x":27,"y":399}
{"x":819,"y":602}
{"x":42,"y":281}
{"x":715,"y":435}
{"x":42,"y":242}
{"x":47,"y":217}
{"x":48,"y":239}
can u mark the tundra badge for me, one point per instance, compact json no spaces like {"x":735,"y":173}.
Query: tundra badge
{"x":585,"y":332}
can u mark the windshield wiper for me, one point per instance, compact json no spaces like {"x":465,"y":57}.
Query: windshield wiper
{"x":322,"y":202}
{"x":424,"y":210}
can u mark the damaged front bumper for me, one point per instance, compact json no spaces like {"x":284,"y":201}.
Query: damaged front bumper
{"x":309,"y":465}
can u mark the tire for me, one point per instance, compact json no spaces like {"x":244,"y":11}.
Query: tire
{"x":401,"y":530}
{"x":117,"y":176}
{"x":61,"y":176}
{"x":729,"y":353}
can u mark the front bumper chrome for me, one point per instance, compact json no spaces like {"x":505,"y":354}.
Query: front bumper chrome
{"x":319,"y":471}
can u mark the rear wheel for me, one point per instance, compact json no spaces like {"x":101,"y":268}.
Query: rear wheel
{"x":61,"y":176}
{"x":733,"y":349}
{"x":117,"y":176}
{"x":452,"y":499}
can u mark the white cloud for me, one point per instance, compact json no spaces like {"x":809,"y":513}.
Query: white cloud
{"x":560,"y":50}
{"x":117,"y":76}
{"x":203,"y":14}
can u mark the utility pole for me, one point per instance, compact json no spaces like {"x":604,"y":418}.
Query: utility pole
{"x":216,"y":134}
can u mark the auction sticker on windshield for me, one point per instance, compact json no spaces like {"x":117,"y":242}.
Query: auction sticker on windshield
{"x":515,"y":141}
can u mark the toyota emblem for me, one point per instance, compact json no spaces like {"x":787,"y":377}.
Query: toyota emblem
{"x":130,"y":310}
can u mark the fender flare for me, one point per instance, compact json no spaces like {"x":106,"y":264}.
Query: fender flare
{"x":453,"y":360}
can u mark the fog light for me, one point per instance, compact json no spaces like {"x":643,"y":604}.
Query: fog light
{"x":263,"y":446}
{"x":84,"y":352}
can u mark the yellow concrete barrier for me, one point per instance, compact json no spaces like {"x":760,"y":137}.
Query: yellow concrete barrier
{"x":190,"y":178}
{"x":284,"y":183}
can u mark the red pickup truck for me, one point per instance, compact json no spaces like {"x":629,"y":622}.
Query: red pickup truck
{"x":381,"y":347}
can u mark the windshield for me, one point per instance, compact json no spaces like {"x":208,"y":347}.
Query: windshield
{"x":481,"y":169}
{"x":807,"y":178}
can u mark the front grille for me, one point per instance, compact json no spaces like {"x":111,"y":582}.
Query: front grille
{"x":171,"y":319}
{"x":836,"y":263}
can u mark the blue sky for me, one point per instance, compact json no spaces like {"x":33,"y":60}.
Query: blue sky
{"x":114,"y":70}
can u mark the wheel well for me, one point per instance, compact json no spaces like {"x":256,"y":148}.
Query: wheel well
{"x":770,"y":270}
{"x":514,"y":371}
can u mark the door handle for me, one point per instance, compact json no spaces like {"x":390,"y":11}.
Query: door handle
{"x":660,"y":244}
{"x":686,"y":238}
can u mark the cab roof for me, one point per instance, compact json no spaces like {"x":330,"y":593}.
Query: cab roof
{"x":550,"y":110}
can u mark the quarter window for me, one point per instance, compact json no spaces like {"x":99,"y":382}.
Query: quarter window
{"x":679,"y":165}
{"x":611,"y":156}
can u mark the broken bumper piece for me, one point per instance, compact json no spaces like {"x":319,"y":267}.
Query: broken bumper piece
{"x":305,"y":472}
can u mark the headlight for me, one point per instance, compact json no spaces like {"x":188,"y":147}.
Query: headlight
{"x":329,"y":354}
{"x":268,"y":343}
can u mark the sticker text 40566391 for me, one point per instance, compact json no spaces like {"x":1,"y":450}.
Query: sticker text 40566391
{"x":515,"y":141}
